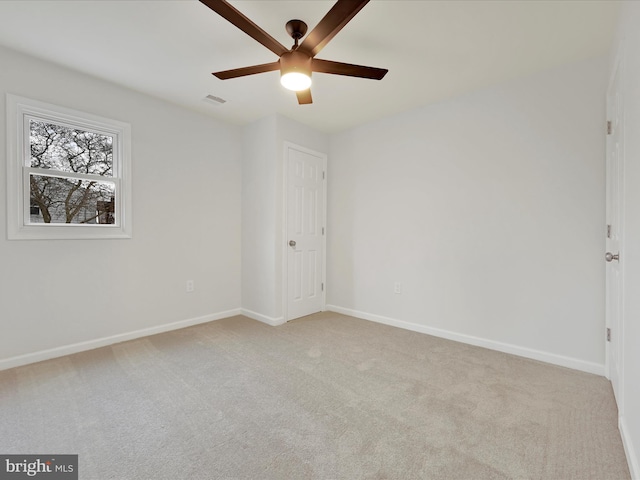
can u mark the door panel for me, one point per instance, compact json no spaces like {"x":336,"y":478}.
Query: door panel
{"x":298,"y":213}
{"x":305,"y":241}
{"x":297,"y":276}
{"x":615,"y":176}
{"x":312,"y":273}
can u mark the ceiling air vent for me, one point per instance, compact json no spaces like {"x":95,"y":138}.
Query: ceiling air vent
{"x":213,"y":100}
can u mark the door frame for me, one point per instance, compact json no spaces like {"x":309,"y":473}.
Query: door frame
{"x":617,"y":68}
{"x":285,"y":226}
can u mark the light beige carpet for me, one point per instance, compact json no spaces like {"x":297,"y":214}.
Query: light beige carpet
{"x":324,"y":397}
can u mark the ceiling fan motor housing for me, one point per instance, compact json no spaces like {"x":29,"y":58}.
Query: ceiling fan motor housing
{"x":295,"y":62}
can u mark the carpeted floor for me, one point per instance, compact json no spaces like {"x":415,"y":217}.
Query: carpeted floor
{"x":323,"y":397}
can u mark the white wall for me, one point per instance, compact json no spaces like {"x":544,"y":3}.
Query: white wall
{"x":628,"y":35}
{"x":186,"y":213}
{"x":489,"y":209}
{"x":259,"y":211}
{"x":262,"y":211}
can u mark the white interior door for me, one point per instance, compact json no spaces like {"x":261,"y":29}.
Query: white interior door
{"x":305,"y":231}
{"x":613,"y":256}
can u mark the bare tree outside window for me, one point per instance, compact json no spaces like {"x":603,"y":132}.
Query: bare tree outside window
{"x":56,"y":196}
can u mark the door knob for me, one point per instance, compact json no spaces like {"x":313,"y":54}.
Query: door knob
{"x":610,"y":256}
{"x":292,"y":243}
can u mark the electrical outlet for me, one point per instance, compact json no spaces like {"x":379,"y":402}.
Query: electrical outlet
{"x":397,"y":288}
{"x":191,"y":286}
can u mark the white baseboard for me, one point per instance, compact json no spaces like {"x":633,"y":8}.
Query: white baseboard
{"x":552,"y":358}
{"x":274,"y":322}
{"x":632,"y":460}
{"x":501,"y":347}
{"x":28,"y":358}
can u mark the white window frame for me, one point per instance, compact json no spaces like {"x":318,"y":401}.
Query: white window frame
{"x":20,"y":111}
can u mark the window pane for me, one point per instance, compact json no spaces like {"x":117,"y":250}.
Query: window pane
{"x":71,"y":200}
{"x":67,"y":149}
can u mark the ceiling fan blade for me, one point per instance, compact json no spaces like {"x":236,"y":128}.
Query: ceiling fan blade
{"x":225,"y":10}
{"x":304,"y":96}
{"x":244,"y":71}
{"x":339,"y":15}
{"x":339,"y":68}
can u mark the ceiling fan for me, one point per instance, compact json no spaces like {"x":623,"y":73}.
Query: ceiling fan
{"x":297,"y":63}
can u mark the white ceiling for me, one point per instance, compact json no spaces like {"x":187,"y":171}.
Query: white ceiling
{"x":433,"y":49}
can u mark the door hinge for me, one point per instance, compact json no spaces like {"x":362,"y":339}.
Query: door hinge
{"x":323,"y":230}
{"x":608,"y":231}
{"x":323,"y":175}
{"x":608,"y":334}
{"x":609,"y":127}
{"x":322,"y":287}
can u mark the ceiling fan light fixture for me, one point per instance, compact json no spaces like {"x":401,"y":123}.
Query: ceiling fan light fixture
{"x":295,"y":71}
{"x":295,"y":81}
